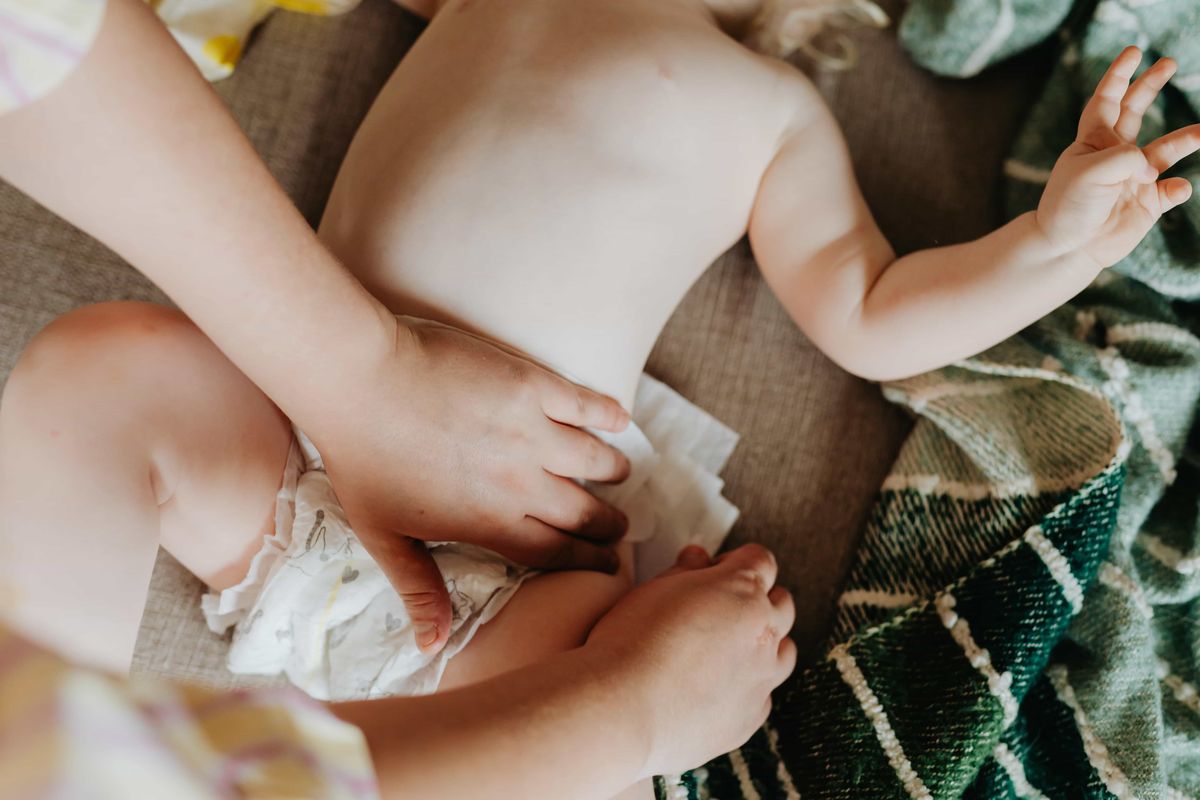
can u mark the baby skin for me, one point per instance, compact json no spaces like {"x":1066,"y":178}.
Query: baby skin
{"x":552,"y":175}
{"x":555,"y":174}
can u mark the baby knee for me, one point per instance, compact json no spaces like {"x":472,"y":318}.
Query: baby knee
{"x":95,"y":350}
{"x":592,"y":595}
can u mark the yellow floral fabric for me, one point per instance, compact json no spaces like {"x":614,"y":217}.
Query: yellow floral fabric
{"x":214,"y":32}
{"x":70,"y":732}
{"x":42,"y":41}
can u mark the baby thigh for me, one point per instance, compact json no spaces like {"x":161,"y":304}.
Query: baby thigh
{"x":122,"y":428}
{"x":550,"y":613}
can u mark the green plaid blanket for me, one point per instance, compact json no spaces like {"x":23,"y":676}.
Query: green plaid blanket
{"x":1022,"y":620}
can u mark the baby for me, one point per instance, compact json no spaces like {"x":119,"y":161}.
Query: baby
{"x":554,"y":175}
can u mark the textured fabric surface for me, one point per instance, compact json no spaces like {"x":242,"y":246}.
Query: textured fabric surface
{"x":1021,"y":617}
{"x":816,"y":443}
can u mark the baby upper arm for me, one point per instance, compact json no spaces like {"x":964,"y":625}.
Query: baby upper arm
{"x":815,"y":240}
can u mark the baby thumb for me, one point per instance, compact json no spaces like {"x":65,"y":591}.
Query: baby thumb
{"x":416,"y":578}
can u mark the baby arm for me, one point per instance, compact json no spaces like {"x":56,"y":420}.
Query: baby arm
{"x":884,"y":317}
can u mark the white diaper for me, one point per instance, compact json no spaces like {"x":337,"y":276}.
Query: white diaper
{"x":317,"y":608}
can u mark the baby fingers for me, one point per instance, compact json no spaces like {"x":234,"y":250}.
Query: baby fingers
{"x":1173,"y":192}
{"x":1139,"y":97}
{"x":1167,"y":150}
{"x":1104,"y":109}
{"x":783,"y":609}
{"x":787,"y":660}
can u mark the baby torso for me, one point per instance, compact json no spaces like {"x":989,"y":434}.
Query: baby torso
{"x":555,"y":174}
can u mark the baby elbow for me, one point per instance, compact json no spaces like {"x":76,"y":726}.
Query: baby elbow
{"x":876,"y":367}
{"x":875,"y":373}
{"x":869,"y":351}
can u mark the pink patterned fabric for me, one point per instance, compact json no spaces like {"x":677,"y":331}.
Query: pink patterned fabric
{"x":41,"y":43}
{"x":70,"y":732}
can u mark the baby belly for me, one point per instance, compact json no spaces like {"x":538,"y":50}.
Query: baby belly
{"x":556,"y":247}
{"x":595,"y":323}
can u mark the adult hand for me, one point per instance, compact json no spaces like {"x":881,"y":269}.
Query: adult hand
{"x":427,"y":432}
{"x":448,"y":437}
{"x":708,"y":642}
{"x":680,"y":671}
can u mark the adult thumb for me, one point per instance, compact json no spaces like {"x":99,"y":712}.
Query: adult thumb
{"x":415,"y":576}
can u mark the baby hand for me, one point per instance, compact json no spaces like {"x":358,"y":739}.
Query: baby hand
{"x":1104,"y":194}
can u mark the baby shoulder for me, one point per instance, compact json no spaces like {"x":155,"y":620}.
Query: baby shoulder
{"x":794,"y":101}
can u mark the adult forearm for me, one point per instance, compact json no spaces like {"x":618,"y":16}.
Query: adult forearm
{"x":565,"y":727}
{"x":424,"y":430}
{"x":934,"y":307}
{"x":140,"y":153}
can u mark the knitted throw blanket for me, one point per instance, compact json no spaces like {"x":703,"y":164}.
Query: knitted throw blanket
{"x":1022,"y":620}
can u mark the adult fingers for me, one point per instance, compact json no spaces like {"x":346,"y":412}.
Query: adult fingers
{"x":1173,"y":192}
{"x":561,"y":400}
{"x":538,"y":545}
{"x":1115,"y":165}
{"x":1165,"y":151}
{"x":1139,"y":97}
{"x":1104,"y":108}
{"x":577,"y":454}
{"x":570,"y":404}
{"x":569,"y":507}
{"x":756,"y":559}
{"x":415,"y":576}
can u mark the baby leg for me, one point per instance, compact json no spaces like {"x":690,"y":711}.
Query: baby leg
{"x":550,"y":613}
{"x":122,"y":428}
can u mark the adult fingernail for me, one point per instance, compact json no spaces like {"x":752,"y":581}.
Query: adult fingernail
{"x":1149,"y":174}
{"x":427,"y":635}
